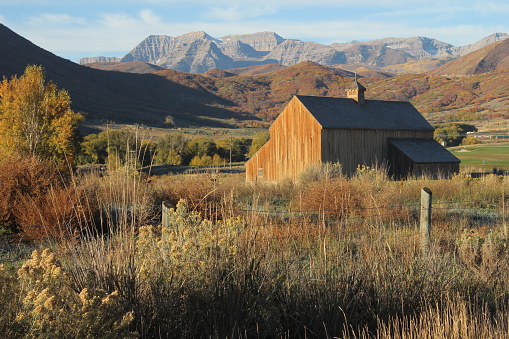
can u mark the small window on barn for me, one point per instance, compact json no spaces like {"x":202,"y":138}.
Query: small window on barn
{"x":260,"y":172}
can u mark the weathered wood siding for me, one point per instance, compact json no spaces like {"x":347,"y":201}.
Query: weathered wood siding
{"x":436,"y":170}
{"x":354,"y":147}
{"x":294,"y":144}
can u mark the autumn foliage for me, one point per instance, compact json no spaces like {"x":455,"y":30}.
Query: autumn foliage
{"x":36,"y":118}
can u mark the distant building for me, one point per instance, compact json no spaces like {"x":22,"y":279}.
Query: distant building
{"x":351,"y":131}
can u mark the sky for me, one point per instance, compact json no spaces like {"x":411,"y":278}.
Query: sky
{"x":74,"y":29}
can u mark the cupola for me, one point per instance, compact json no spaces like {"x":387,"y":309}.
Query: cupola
{"x":356,"y":91}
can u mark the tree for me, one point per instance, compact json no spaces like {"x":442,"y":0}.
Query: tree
{"x":94,"y":149}
{"x":258,"y":141}
{"x":238,"y":146}
{"x":452,"y":134}
{"x":36,"y":118}
{"x":204,"y":160}
{"x":172,"y":149}
{"x":469,"y":141}
{"x":200,"y":147}
{"x":116,"y":148}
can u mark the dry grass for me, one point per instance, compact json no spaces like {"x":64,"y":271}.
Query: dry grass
{"x":455,"y":319}
{"x":263,"y":260}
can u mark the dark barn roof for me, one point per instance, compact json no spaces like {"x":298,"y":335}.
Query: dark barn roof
{"x":374,"y":114}
{"x":424,"y":150}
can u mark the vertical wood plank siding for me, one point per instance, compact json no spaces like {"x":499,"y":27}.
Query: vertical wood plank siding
{"x":294,"y":144}
{"x":435,"y":171}
{"x":353,"y":147}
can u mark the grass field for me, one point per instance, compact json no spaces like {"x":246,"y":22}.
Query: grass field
{"x":156,"y":133}
{"x":483,"y":157}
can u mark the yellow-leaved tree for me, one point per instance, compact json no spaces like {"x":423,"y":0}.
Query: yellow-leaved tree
{"x":36,"y":119}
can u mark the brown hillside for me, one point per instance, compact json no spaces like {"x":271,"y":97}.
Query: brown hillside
{"x":416,"y":66}
{"x":149,"y":98}
{"x":367,"y":71}
{"x":264,"y":95}
{"x":490,"y":58}
{"x":256,"y":70}
{"x":128,"y":67}
{"x":481,"y":100}
{"x":219,"y":73}
{"x":118,"y":96}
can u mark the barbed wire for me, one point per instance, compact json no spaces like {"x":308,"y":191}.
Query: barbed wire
{"x":346,"y":214}
{"x":391,"y":207}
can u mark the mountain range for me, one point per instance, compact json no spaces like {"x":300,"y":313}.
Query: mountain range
{"x":198,"y":52}
{"x":114,"y":96}
{"x":254,"y":95}
{"x":489,"y":58}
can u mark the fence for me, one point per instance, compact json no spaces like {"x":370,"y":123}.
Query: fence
{"x":477,"y":217}
{"x":494,"y":213}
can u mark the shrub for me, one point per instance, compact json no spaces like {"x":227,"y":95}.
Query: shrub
{"x":332,"y":198}
{"x":48,"y":306}
{"x":57,"y":213}
{"x":321,"y":171}
{"x":204,"y":160}
{"x":469,"y":141}
{"x":211,"y":194}
{"x":23,"y":179}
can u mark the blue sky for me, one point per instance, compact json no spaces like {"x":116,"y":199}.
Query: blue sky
{"x":81,"y":28}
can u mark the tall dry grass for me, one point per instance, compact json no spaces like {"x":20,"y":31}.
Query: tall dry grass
{"x":455,"y":319}
{"x":246,"y":261}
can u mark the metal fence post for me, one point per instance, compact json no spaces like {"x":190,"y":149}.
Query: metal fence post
{"x":425,"y":219}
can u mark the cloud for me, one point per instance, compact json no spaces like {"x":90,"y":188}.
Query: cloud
{"x":300,"y":3}
{"x":237,"y":13}
{"x":227,"y":14}
{"x":148,"y":17}
{"x":117,"y":20}
{"x":55,"y":19}
{"x":492,"y":8}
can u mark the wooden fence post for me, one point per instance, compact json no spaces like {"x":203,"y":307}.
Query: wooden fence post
{"x":425,"y":219}
{"x":165,"y":215}
{"x":503,"y":204}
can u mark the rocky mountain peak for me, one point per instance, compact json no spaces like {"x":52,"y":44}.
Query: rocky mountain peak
{"x":191,"y":36}
{"x":490,"y":39}
{"x":199,"y":52}
{"x":261,"y":41}
{"x":100,"y":59}
{"x":150,"y":50}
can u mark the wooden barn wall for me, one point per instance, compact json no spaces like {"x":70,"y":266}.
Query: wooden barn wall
{"x":401,"y":165}
{"x":257,"y":162}
{"x":294,"y":144}
{"x":353,"y":147}
{"x":436,"y":170}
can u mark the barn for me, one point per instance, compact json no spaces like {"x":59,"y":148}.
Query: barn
{"x":351,"y":131}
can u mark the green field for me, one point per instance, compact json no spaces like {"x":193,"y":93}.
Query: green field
{"x":483,"y":157}
{"x":156,"y":133}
